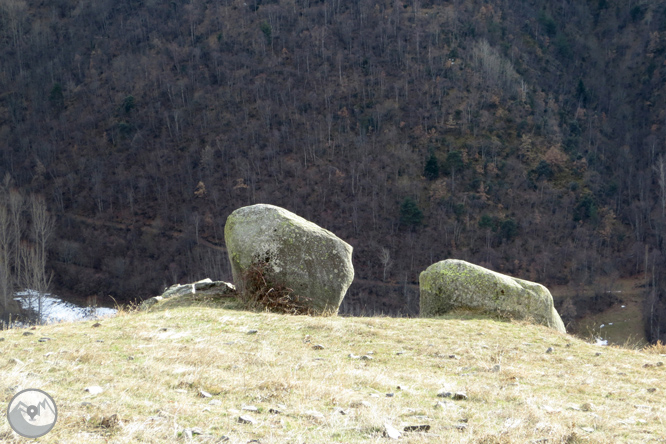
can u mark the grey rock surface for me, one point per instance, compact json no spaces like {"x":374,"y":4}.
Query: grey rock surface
{"x":454,"y":284}
{"x":297,"y":253}
{"x":204,"y":286}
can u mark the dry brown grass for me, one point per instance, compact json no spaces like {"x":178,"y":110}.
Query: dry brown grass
{"x":153,"y":367}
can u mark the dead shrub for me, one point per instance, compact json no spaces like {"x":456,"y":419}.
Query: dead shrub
{"x":261,"y":292}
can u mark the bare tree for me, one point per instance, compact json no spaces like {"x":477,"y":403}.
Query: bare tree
{"x":5,"y":258}
{"x":660,"y":168}
{"x":32,"y":257}
{"x":42,"y":228}
{"x":385,"y":258}
{"x":16,"y":204}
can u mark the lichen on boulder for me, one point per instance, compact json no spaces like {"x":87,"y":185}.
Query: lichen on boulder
{"x":454,"y":284}
{"x":294,"y":253}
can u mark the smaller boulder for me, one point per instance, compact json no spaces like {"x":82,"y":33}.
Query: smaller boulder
{"x":454,"y":284}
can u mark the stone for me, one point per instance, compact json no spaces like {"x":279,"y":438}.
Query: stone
{"x":109,"y":422}
{"x":417,"y":428}
{"x":460,"y":396}
{"x":314,"y":415}
{"x":454,"y":284}
{"x":298,"y":254}
{"x":391,"y":432}
{"x":246,"y":419}
{"x":150,"y":302}
{"x":94,"y":389}
{"x":357,"y":404}
{"x":550,"y":350}
{"x":203,"y":284}
{"x":206,"y":286}
{"x":177,"y":290}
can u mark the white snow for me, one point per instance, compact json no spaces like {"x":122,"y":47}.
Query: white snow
{"x":56,"y":310}
{"x":601,"y":342}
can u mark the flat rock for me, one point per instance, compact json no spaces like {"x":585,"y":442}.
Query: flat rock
{"x":246,"y":419}
{"x":207,"y":286}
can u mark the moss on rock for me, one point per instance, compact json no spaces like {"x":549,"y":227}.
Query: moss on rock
{"x":455,"y":284}
{"x":299,"y":254}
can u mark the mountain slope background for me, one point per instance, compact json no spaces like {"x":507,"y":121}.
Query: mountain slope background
{"x":526,"y":136}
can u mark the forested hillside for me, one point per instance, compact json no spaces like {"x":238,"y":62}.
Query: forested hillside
{"x":525,"y":136}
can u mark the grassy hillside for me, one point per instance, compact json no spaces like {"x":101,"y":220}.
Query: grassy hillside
{"x":154,"y":368}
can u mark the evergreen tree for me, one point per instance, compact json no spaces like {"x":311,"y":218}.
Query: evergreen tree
{"x":431,"y":170}
{"x":410,"y":213}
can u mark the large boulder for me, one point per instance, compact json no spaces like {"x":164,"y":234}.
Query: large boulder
{"x":293,"y":252}
{"x":455,"y":284}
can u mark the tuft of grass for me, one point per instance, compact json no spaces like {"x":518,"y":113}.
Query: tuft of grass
{"x":656,"y":349}
{"x":193,"y":367}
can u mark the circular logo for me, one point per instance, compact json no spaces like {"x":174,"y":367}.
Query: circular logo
{"x":32,"y":413}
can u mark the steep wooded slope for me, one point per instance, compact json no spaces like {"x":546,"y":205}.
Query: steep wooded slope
{"x":524,"y":136}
